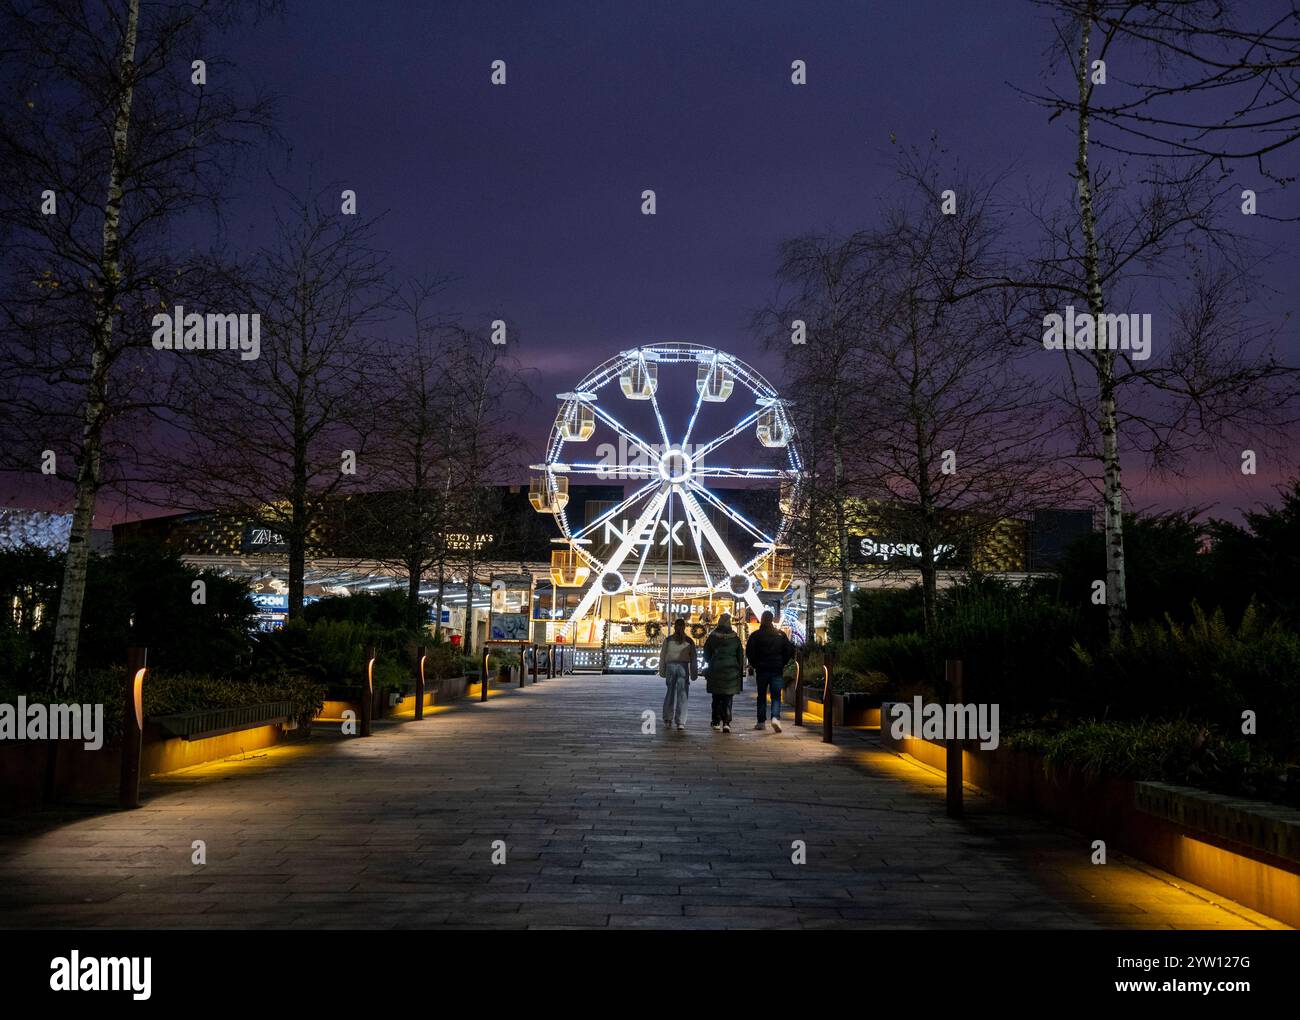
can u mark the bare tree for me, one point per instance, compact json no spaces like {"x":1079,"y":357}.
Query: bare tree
{"x":106,"y":141}
{"x":407,"y":523}
{"x":958,"y":437}
{"x":1213,"y":374}
{"x":487,"y":393}
{"x":280,"y":436}
{"x":824,"y":374}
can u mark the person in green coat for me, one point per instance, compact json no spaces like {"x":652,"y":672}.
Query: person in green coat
{"x":724,"y":666}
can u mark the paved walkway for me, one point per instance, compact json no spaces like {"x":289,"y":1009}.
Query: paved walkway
{"x":601,"y":825}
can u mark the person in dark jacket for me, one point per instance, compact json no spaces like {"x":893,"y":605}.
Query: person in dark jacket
{"x":768,"y":650}
{"x":724,"y":665}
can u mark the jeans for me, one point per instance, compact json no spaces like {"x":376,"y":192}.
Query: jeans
{"x":722,"y":708}
{"x":766,"y":682}
{"x":679,"y":690}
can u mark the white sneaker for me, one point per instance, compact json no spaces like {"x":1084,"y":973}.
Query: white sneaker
{"x":680,"y":727}
{"x":716,"y":727}
{"x":776,"y":725}
{"x":726,"y":727}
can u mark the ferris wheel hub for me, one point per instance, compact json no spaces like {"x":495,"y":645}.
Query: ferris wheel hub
{"x":676,"y":466}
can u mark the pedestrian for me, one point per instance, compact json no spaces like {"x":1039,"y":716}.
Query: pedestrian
{"x":768,"y":650}
{"x":677,"y":667}
{"x":724,"y":665}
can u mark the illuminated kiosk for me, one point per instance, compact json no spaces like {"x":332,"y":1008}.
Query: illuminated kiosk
{"x":508,"y":614}
{"x":678,"y":543}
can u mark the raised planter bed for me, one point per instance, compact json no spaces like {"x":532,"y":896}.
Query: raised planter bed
{"x":35,"y":772}
{"x":851,"y":709}
{"x":214,"y":722}
{"x":1242,"y":849}
{"x":436,"y":692}
{"x":854,"y":709}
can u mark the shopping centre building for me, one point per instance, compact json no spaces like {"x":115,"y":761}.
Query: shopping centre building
{"x":529,"y":584}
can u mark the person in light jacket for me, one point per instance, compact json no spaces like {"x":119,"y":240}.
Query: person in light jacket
{"x":677,"y":667}
{"x":724,"y":665}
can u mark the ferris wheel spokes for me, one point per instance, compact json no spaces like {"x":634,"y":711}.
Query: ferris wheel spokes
{"x":740,"y":519}
{"x":733,"y":472}
{"x":602,"y":470}
{"x":699,"y":402}
{"x":646,"y":448}
{"x":654,"y":403}
{"x":699,"y":551}
{"x":598,"y":587}
{"x":731,"y":433}
{"x":609,"y":514}
{"x":649,"y":543}
{"x":701,"y":520}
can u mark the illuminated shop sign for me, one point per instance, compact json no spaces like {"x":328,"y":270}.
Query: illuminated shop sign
{"x":273,"y":603}
{"x":868,"y":549}
{"x":660,"y":535}
{"x":260,"y":538}
{"x":641,"y":658}
{"x":465,"y":542}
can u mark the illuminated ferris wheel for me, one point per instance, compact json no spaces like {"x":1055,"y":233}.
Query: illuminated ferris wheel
{"x":678,"y":474}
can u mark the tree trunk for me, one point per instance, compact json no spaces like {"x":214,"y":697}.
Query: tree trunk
{"x":413,"y":573}
{"x":1113,"y":489}
{"x":297,"y":571}
{"x":810,"y":619}
{"x":842,"y":542}
{"x":67,"y":628}
{"x":437,"y":612}
{"x":846,"y":584}
{"x":925,"y":497}
{"x":297,"y":537}
{"x":469,"y":604}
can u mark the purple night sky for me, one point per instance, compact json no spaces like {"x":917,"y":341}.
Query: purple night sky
{"x":529,"y":195}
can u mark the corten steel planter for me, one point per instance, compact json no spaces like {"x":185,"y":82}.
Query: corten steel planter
{"x":1246,"y":850}
{"x":35,"y":772}
{"x":856,"y":709}
{"x":213,"y":722}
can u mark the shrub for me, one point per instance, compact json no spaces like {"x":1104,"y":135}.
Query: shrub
{"x":335,"y":652}
{"x":140,"y":595}
{"x":1015,"y":651}
{"x":883,"y":612}
{"x":384,"y":610}
{"x":1206,"y":671}
{"x":442,"y":660}
{"x":1165,"y":569}
{"x":1170,"y":751}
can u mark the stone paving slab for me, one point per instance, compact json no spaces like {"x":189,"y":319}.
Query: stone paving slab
{"x":603,"y":826}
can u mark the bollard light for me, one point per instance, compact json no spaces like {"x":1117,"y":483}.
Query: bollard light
{"x":368,"y":695}
{"x":828,"y":705}
{"x":133,"y":728}
{"x":798,"y":688}
{"x":953,"y":777}
{"x":419,"y":682}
